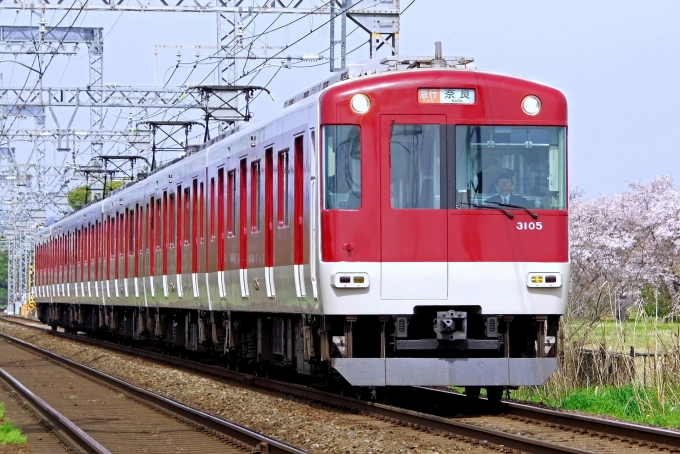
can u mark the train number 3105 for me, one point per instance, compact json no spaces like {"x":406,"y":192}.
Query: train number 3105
{"x":529,"y":226}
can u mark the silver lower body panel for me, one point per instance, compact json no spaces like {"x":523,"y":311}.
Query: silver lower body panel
{"x":445,"y":371}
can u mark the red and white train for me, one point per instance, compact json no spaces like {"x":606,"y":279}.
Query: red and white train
{"x":402,"y":223}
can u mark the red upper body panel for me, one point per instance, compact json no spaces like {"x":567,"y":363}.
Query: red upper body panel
{"x":376,"y":232}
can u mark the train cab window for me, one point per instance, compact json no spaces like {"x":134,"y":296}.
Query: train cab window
{"x":511,"y":165}
{"x":341,"y":167}
{"x":415,"y":165}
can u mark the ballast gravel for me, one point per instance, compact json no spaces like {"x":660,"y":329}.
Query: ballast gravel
{"x":308,"y":426}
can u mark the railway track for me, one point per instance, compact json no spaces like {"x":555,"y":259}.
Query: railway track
{"x":92,"y":412}
{"x":509,"y":426}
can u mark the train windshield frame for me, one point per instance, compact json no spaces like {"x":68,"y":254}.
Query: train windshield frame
{"x":511,"y":165}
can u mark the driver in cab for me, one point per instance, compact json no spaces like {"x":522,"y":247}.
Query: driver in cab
{"x":504,"y":183}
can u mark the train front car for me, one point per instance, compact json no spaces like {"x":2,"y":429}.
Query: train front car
{"x":444,"y":242}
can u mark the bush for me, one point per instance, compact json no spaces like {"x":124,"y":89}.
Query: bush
{"x":651,"y":295}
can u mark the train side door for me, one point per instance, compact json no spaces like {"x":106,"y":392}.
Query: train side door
{"x":413,"y":207}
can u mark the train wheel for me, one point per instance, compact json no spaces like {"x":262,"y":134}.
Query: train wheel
{"x":494,"y":393}
{"x":472,"y":391}
{"x":360,"y":392}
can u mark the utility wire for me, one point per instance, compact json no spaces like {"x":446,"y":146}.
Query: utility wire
{"x":297,"y":41}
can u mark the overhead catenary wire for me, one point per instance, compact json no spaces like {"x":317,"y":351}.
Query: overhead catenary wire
{"x":41,"y":71}
{"x":276,"y":55}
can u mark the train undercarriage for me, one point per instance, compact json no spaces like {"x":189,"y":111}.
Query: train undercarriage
{"x":326,"y":346}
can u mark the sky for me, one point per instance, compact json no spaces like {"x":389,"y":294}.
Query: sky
{"x":615,"y":60}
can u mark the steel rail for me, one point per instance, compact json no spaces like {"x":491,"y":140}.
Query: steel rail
{"x":622,"y":430}
{"x":75,"y":434}
{"x":628,"y":431}
{"x":395,"y":414}
{"x":256,"y":441}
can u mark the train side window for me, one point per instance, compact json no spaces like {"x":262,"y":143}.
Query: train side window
{"x":211,"y":207}
{"x":243,"y":213}
{"x":166,"y":239}
{"x":201,"y":212}
{"x":172,"y":221}
{"x":255,"y":198}
{"x":269,"y":206}
{"x":105,"y":249}
{"x":121,"y":244}
{"x":95,"y":256}
{"x":125,"y":239}
{"x":131,"y":231}
{"x":166,"y":217}
{"x":231,"y":204}
{"x":185,"y":216}
{"x":151,"y":225}
{"x":178,"y":232}
{"x":220,"y":219}
{"x":282,"y":176}
{"x":194,"y":226}
{"x":159,"y":225}
{"x":138,"y":238}
{"x":342,"y":167}
{"x":415,"y":165}
{"x":121,"y":235}
{"x":151,"y":233}
{"x":114,"y":246}
{"x":114,"y":224}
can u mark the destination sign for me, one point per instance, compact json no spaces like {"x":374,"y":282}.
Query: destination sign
{"x":446,"y":95}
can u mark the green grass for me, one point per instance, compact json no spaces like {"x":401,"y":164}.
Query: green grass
{"x":9,"y":435}
{"x":628,"y":403}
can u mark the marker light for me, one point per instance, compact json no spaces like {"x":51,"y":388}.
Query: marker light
{"x":360,"y":103}
{"x":531,"y":105}
{"x":350,"y":280}
{"x":551,"y":279}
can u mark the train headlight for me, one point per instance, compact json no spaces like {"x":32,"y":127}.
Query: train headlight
{"x":360,"y":103}
{"x":531,"y":105}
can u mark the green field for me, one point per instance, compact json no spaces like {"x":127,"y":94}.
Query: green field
{"x":644,"y":336}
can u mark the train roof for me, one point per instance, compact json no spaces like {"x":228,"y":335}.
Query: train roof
{"x":398,"y":64}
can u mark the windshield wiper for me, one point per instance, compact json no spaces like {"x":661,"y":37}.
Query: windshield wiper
{"x":476,"y":205}
{"x":531,"y":213}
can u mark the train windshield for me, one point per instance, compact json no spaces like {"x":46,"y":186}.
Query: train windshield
{"x":511,"y":165}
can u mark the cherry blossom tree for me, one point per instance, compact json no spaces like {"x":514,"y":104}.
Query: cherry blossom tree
{"x":623,"y":244}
